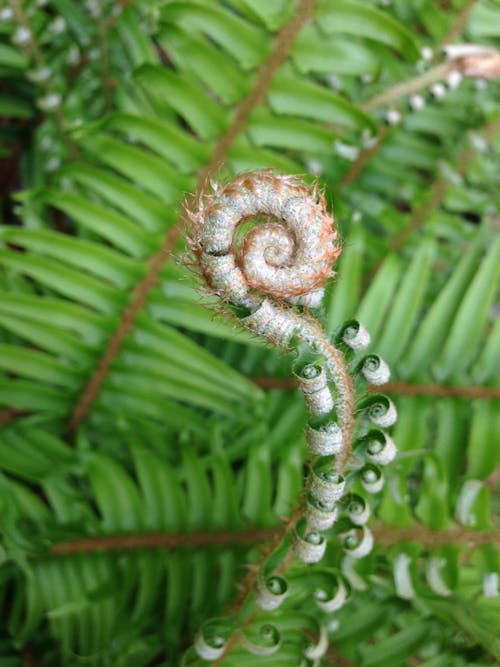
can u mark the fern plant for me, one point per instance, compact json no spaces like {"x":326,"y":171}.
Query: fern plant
{"x":156,"y":496}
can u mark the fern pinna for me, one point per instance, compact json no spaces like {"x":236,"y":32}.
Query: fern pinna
{"x":148,"y":449}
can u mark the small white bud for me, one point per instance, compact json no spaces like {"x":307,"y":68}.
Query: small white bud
{"x":358,"y":511}
{"x":271,"y":592}
{"x":434,"y":577}
{"x":454,"y":78}
{"x":346,"y":151}
{"x":318,"y":650}
{"x":210,"y":647}
{"x":402,"y":577}
{"x":393,"y":116}
{"x":268,"y":643}
{"x":366,"y":78}
{"x":326,"y":485}
{"x":333,"y":603}
{"x":73,"y":55}
{"x":478,"y":142}
{"x":53,"y":164}
{"x":356,"y":545}
{"x":49,"y":102}
{"x":490,"y":585}
{"x":375,"y":370}
{"x":46,"y":143}
{"x":438,"y":91}
{"x":466,"y":499}
{"x":427,"y":53}
{"x":58,"y":26}
{"x":6,"y":14}
{"x":334,"y":82}
{"x":349,"y":570}
{"x":321,"y":515}
{"x":325,"y":440}
{"x":94,"y":8}
{"x":417,"y":102}
{"x":21,"y":36}
{"x":382,"y":412}
{"x":313,"y":384}
{"x":382,"y":453}
{"x":39,"y":75}
{"x":314,"y":167}
{"x":356,"y":337}
{"x":372,"y":479}
{"x":480,"y":84}
{"x":310,"y":549}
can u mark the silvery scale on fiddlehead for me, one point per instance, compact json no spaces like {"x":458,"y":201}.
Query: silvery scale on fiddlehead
{"x":273,"y":280}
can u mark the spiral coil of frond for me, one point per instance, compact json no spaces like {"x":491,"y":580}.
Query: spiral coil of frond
{"x":265,"y":245}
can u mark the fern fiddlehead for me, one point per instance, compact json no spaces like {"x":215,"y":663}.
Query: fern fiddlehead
{"x":265,"y":245}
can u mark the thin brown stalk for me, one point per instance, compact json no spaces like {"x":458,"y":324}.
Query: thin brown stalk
{"x":365,"y":156}
{"x":335,"y":659}
{"x":436,"y":390}
{"x":384,"y":535}
{"x":436,"y":196}
{"x":388,"y":536}
{"x":248,"y":583}
{"x":35,"y":52}
{"x":440,"y":188}
{"x":459,"y":25}
{"x":282,"y":46}
{"x":403,"y":388}
{"x":107,"y":82}
{"x":8,"y":415}
{"x":171,"y":541}
{"x":409,"y":87}
{"x":29,"y":659}
{"x":395,"y":92}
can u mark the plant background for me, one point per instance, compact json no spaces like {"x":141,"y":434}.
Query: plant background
{"x":130,"y":409}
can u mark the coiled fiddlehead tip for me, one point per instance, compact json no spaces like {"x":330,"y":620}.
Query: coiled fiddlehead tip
{"x":288,"y":256}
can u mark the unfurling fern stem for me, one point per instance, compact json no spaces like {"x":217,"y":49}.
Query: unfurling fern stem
{"x":265,"y":245}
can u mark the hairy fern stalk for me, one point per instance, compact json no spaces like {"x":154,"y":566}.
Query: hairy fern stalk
{"x":200,"y":466}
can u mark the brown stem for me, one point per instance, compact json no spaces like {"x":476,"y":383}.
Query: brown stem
{"x":34,"y":50}
{"x":346,"y":410}
{"x":107,"y":82}
{"x":404,"y":388}
{"x":440,"y":188}
{"x":384,"y":535}
{"x":8,"y":415}
{"x":388,"y":536}
{"x":409,"y":87}
{"x":282,"y":46}
{"x":437,"y":194}
{"x":458,"y":27}
{"x":29,"y":659}
{"x":365,"y":156}
{"x":335,"y":659}
{"x":250,"y":579}
{"x":165,"y":540}
{"x":436,"y":390}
